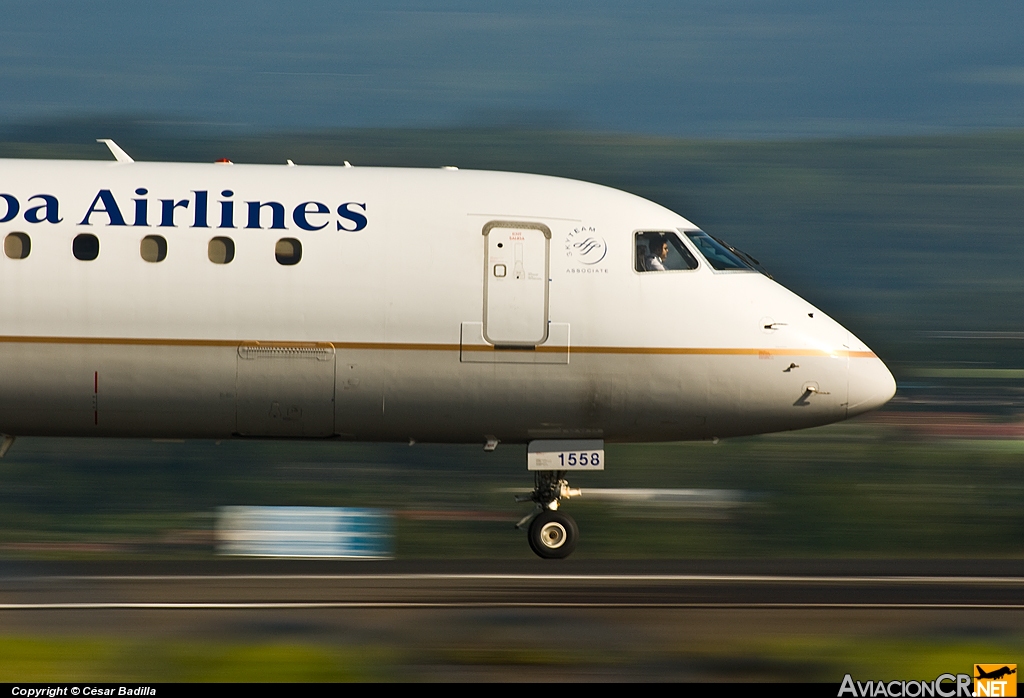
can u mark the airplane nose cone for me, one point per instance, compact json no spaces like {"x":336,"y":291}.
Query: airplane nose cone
{"x":871,"y":385}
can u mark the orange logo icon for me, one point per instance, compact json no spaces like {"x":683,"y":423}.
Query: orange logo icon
{"x":995,"y":680}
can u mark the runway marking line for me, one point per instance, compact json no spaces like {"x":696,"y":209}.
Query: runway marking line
{"x":429,"y":605}
{"x":768,"y":579}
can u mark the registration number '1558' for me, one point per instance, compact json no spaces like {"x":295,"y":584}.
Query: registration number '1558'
{"x":576,"y":454}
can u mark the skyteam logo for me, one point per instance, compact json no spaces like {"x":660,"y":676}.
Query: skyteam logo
{"x":585,"y":246}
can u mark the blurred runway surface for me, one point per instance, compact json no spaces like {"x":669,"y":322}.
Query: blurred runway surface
{"x":807,"y":620}
{"x":255,"y":584}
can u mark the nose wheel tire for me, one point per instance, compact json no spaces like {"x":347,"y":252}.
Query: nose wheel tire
{"x":553,"y":535}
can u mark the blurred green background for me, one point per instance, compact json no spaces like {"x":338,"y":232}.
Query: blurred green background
{"x":869,"y":488}
{"x":914,"y":243}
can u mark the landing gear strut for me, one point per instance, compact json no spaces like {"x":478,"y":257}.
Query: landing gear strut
{"x":552,"y":534}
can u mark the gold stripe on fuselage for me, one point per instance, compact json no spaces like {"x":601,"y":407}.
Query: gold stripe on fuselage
{"x":423,"y":346}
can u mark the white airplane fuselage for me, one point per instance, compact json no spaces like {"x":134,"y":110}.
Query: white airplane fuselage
{"x":436,"y":305}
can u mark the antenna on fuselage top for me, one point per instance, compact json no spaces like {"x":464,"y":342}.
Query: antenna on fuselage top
{"x":118,"y":153}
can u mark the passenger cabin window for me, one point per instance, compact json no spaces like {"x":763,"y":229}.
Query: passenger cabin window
{"x":717,"y":254}
{"x":221,"y":250}
{"x":288,"y":251}
{"x":17,"y":245}
{"x":153,"y":248}
{"x":656,"y":251}
{"x":86,"y":247}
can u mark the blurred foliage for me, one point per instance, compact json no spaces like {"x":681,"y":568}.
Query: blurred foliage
{"x":763,"y":656}
{"x":101,"y":659}
{"x":895,"y":237}
{"x":900,"y":238}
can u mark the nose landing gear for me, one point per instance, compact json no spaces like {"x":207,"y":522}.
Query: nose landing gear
{"x":552,"y":535}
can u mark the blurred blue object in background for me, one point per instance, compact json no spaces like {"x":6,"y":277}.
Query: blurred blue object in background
{"x":304,"y":532}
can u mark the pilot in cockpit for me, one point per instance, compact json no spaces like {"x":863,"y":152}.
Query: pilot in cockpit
{"x":659,"y":251}
{"x":662,"y":251}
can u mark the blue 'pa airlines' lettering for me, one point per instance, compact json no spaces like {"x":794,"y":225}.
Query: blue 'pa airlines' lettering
{"x":351,"y":216}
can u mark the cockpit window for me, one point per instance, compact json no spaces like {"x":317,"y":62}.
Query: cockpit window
{"x":662,"y":252}
{"x":717,"y":254}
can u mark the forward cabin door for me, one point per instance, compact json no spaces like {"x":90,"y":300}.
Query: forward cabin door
{"x":516,"y":261}
{"x":285,"y":389}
